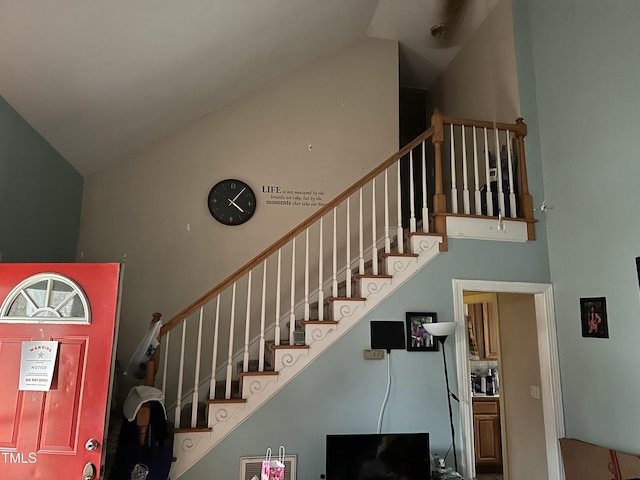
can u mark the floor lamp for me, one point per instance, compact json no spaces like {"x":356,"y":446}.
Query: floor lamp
{"x":440,"y":332}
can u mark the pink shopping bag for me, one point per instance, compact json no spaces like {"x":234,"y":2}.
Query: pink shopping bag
{"x":273,"y":469}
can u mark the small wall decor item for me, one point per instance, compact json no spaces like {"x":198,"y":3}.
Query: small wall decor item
{"x":418,"y":340}
{"x":593,"y":316}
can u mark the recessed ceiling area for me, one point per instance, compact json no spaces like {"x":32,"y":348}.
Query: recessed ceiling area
{"x":100,"y":80}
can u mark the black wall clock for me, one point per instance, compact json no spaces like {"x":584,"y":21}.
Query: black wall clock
{"x":232,"y":202}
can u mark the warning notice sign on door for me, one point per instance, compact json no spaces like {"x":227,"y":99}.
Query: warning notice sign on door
{"x":37,"y":365}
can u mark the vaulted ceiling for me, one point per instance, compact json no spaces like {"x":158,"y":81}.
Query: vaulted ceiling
{"x":100,"y":80}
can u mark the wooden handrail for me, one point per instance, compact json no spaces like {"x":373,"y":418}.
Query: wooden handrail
{"x":255,"y":261}
{"x":518,"y":127}
{"x":435,"y":131}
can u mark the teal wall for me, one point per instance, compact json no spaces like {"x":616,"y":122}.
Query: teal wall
{"x":40,"y":195}
{"x":342,"y":393}
{"x":579,"y":74}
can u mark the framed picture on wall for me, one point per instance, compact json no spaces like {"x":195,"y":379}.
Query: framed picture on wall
{"x":593,"y":317}
{"x":418,"y":340}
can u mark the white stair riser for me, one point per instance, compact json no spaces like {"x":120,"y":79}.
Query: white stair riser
{"x":368,"y":286}
{"x":255,"y":384}
{"x":395,"y":264}
{"x":317,"y":333}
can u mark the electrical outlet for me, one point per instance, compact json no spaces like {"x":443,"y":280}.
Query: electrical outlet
{"x":535,"y":391}
{"x":373,"y":354}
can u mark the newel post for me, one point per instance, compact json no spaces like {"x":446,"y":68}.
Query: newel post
{"x":439,"y":198}
{"x":155,"y":358}
{"x":143,"y":417}
{"x":525,"y":199}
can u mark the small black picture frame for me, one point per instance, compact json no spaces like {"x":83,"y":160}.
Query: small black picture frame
{"x":593,"y":317}
{"x":418,"y":340}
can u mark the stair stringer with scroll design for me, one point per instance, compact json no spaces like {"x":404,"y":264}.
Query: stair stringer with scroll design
{"x":224,"y":417}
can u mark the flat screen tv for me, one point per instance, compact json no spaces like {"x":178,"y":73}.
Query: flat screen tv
{"x":388,"y":456}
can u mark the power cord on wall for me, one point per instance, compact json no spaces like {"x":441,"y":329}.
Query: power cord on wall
{"x":386,"y":395}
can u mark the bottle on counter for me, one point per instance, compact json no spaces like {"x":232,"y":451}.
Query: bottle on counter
{"x":490,"y":390}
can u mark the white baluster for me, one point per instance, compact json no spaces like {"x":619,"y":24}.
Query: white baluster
{"x":499,"y":169}
{"x":412,"y":208}
{"x":178,"y":409}
{"x":232,"y":324}
{"x":489,"y":192}
{"x":454,"y":189}
{"x":374,"y":246}
{"x":512,"y":193}
{"x":292,"y":312}
{"x":166,"y":361}
{"x":425,"y":207}
{"x":214,"y":356}
{"x":306,"y":275}
{"x":278,"y":299}
{"x":360,"y":237}
{"x":477,"y":200}
{"x":262,"y":316}
{"x":196,"y":376}
{"x":247,"y":327}
{"x":399,"y":232}
{"x":465,"y":174}
{"x":348,"y":273}
{"x":387,"y":240}
{"x":320,"y":273}
{"x":334,"y":256}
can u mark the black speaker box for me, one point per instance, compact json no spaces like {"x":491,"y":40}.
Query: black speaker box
{"x":387,"y":335}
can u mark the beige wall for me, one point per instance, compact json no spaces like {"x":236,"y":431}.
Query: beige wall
{"x":519,"y":370}
{"x":153,"y":206}
{"x":481,"y":82}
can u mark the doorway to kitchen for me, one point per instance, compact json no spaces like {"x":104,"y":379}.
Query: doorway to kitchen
{"x":483,"y":334}
{"x":541,"y":338}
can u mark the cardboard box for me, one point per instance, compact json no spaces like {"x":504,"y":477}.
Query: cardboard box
{"x":586,"y":461}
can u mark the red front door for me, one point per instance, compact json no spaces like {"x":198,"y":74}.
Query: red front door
{"x":56,"y":434}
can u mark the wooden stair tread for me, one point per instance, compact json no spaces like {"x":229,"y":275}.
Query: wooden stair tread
{"x":356,"y":299}
{"x":265,"y":372}
{"x":385,"y":255}
{"x":215,"y":401}
{"x":300,"y":347}
{"x":318,"y":322}
{"x":372,"y":276}
{"x":189,"y":429}
{"x":301,"y":322}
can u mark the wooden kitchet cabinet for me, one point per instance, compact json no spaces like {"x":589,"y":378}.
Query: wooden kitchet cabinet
{"x":484,"y":325}
{"x":486,"y":434}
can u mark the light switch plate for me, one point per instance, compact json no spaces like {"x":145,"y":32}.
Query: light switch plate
{"x":535,"y":391}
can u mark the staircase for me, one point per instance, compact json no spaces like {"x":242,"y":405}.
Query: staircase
{"x":285,"y":307}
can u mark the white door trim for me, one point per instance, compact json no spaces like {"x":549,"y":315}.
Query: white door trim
{"x":549,"y":369}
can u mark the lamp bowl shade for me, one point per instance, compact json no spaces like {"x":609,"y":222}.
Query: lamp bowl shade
{"x":442,"y":329}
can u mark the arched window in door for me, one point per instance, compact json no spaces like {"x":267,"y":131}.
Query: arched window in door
{"x":46,"y":298}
